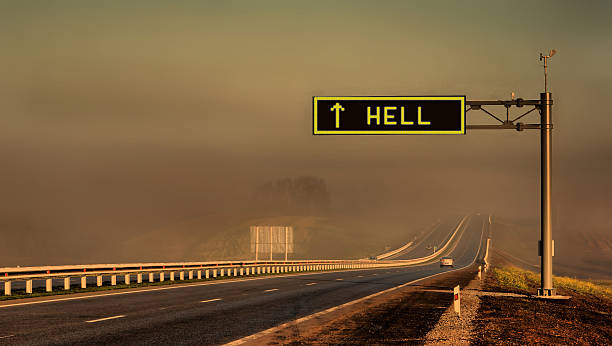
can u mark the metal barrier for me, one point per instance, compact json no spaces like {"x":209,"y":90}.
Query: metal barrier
{"x":194,"y":270}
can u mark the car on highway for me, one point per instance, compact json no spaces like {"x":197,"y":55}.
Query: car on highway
{"x":447,"y":261}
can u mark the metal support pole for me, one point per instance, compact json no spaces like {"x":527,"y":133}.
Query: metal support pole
{"x":546,"y":216}
{"x":256,"y":241}
{"x":286,"y":234}
{"x":270,"y":243}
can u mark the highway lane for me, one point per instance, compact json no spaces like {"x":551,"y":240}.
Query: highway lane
{"x":210,"y":313}
{"x":438,"y":236}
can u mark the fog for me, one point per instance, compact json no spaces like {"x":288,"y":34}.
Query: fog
{"x":141,"y":131}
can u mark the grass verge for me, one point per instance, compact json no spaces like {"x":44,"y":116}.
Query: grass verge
{"x":584,"y":319}
{"x":523,"y":281}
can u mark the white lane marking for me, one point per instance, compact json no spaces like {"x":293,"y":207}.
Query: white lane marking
{"x":271,"y":290}
{"x":338,"y":279}
{"x":105,"y":319}
{"x":359,"y":276}
{"x":312,"y":283}
{"x":317,"y":314}
{"x":210,"y":300}
{"x":6,"y":336}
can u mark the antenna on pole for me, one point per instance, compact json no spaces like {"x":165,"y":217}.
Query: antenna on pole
{"x":545,"y":58}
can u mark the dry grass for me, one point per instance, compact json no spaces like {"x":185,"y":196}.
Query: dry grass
{"x":524,"y":281}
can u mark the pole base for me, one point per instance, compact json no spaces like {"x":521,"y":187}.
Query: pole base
{"x":548,"y":292}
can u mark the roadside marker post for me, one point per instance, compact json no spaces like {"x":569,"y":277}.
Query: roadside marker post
{"x":479,"y":272}
{"x":405,"y":115}
{"x":457,"y":300}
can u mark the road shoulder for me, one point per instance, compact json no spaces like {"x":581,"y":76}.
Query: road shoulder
{"x":399,"y":316}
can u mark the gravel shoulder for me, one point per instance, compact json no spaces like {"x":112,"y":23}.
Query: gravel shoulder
{"x":584,"y":319}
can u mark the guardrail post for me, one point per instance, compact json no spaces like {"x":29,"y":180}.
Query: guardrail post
{"x":241,"y":271}
{"x":29,"y":286}
{"x":161,"y":276}
{"x":139,"y":278}
{"x":199,"y":274}
{"x":127,"y":279}
{"x":207,"y":274}
{"x":113,"y":280}
{"x":181,"y":275}
{"x":171,"y":276}
{"x":214,"y":273}
{"x":258,"y":270}
{"x":151,"y":277}
{"x":83,"y":281}
{"x":222,"y":272}
{"x":191,"y":275}
{"x":67,"y":283}
{"x":49,"y":285}
{"x":99,"y":280}
{"x":235,"y":271}
{"x":7,"y":288}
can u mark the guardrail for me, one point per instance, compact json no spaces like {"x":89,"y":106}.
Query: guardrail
{"x":199,"y":270}
{"x":393,"y":252}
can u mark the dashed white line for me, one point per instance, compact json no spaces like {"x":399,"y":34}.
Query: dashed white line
{"x":338,"y":279}
{"x":6,"y":336}
{"x":210,"y":300}
{"x":359,"y":276}
{"x":271,"y":290}
{"x":105,"y":318}
{"x":312,"y":283}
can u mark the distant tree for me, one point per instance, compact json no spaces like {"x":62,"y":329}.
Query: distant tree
{"x":304,"y":195}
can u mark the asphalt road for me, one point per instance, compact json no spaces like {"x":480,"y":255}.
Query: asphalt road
{"x":211,"y":312}
{"x":437,"y":237}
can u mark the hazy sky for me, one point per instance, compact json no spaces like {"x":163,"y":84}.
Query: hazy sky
{"x":118,"y":117}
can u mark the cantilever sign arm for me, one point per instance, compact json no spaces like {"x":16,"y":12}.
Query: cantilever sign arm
{"x":508,"y":124}
{"x":529,"y":111}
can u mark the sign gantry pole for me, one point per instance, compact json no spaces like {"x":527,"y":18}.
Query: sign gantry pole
{"x":547,"y":251}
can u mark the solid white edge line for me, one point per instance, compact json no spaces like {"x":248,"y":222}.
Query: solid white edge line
{"x":309,"y":317}
{"x":312,"y":283}
{"x":210,"y":300}
{"x":7,"y":336}
{"x":105,"y":319}
{"x":271,"y":290}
